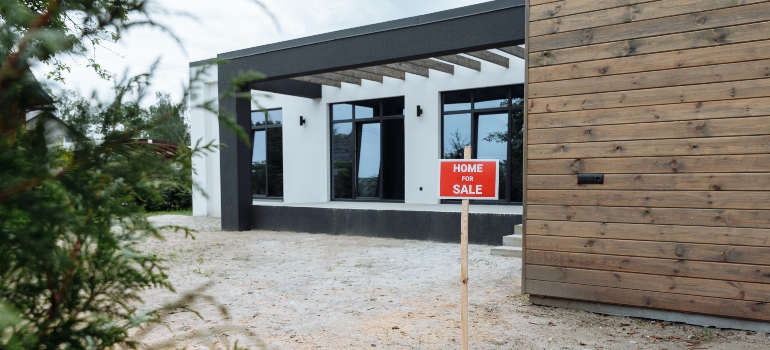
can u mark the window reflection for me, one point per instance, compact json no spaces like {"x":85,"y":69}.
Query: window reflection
{"x":457,"y":135}
{"x":517,"y":155}
{"x":369,"y":160}
{"x":368,"y":149}
{"x":342,"y":111}
{"x":275,"y":162}
{"x":493,"y":142}
{"x":267,"y":153}
{"x":342,"y":159}
{"x":457,"y":101}
{"x":259,"y":164}
{"x":490,"y":98}
{"x":367,"y":109}
{"x":258,"y":118}
{"x":275,"y":117}
{"x":474,"y":118}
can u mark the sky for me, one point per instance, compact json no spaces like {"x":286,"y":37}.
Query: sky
{"x":208,"y":27}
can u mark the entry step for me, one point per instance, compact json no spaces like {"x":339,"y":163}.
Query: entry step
{"x":511,"y":244}
{"x":514,"y":252}
{"x":512,"y":240}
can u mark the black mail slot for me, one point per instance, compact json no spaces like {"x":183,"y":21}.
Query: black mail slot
{"x":590,"y":179}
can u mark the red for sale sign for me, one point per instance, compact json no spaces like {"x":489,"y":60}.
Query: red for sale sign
{"x":468,"y":178}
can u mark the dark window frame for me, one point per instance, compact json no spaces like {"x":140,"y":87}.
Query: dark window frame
{"x":369,"y":120}
{"x":267,"y":128}
{"x":474,"y":114}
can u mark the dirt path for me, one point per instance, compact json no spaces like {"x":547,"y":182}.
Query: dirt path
{"x":306,"y":291}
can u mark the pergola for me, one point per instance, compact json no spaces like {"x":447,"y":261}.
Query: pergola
{"x":419,"y":67}
{"x":441,"y":41}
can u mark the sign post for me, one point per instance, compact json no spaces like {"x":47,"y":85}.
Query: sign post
{"x":465,"y":179}
{"x":464,"y":263}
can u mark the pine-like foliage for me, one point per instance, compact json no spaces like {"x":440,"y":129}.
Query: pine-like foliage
{"x":71,"y":272}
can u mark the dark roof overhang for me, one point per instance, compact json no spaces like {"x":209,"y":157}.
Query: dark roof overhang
{"x":401,"y":45}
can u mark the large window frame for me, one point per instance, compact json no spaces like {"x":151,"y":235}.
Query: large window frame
{"x":379,"y":118}
{"x":272,"y":126}
{"x":514,"y":104}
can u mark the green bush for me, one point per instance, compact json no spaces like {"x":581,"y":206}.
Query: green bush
{"x":170,"y":197}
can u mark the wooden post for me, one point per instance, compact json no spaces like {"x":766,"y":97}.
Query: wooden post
{"x":464,"y":264}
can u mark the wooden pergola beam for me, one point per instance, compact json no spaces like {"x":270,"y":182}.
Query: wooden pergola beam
{"x":361,"y":75}
{"x":461,"y":61}
{"x":491,"y":57}
{"x":435,"y":65}
{"x":514,"y":50}
{"x":339,"y":77}
{"x":384,"y":71}
{"x":409,"y":68}
{"x":320,"y":81}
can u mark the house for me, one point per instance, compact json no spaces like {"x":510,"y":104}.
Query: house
{"x":662,"y":104}
{"x":57,"y":133}
{"x":350,"y":139}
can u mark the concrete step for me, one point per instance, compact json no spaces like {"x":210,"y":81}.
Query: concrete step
{"x":518,"y":229}
{"x":514,"y":252}
{"x":512,"y":240}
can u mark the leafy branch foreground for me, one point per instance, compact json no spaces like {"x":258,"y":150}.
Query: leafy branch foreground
{"x":71,"y":271}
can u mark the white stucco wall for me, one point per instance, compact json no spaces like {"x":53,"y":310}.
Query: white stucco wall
{"x":306,"y":149}
{"x":204,"y":129}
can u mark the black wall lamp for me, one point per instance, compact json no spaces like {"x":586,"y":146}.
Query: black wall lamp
{"x":419,"y":111}
{"x":301,"y":120}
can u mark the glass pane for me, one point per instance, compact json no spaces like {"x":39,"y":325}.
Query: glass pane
{"x":393,"y":106}
{"x":342,"y":111}
{"x":258,"y":118}
{"x":490,"y":98}
{"x":363,"y":112}
{"x":342,"y":160}
{"x":517,"y":155}
{"x":367,"y":109}
{"x":393,"y":165}
{"x":493,"y":142}
{"x":275,"y":162}
{"x":259,"y":164}
{"x":457,"y":101}
{"x":275,"y":117}
{"x":369,"y":160}
{"x":457,"y":135}
{"x":517,"y":95}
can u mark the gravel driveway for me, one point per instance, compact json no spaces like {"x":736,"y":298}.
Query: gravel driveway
{"x":310,"y":291}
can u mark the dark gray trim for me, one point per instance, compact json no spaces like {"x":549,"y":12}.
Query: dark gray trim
{"x":202,"y":62}
{"x":289,"y":87}
{"x":235,"y":160}
{"x":421,"y":20}
{"x":432,"y":226}
{"x":479,"y":27}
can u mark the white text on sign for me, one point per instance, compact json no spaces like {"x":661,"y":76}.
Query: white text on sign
{"x":466,"y":189}
{"x":468,"y":168}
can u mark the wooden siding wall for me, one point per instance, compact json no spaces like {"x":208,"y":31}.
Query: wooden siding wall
{"x":671,"y":100}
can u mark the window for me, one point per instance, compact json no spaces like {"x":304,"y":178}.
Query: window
{"x":367,"y":145}
{"x":267,"y":155}
{"x":491,"y":121}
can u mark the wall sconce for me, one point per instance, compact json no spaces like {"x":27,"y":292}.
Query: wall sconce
{"x":419,"y":111}
{"x":301,"y":120}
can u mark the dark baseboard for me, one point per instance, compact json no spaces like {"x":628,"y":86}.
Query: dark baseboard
{"x":484,"y":228}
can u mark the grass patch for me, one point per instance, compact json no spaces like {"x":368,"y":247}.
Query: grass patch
{"x":171,"y":212}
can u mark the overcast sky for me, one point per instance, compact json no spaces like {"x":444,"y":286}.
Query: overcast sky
{"x":225,"y":25}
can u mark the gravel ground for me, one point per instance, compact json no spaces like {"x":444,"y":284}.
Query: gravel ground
{"x":309,"y":291}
